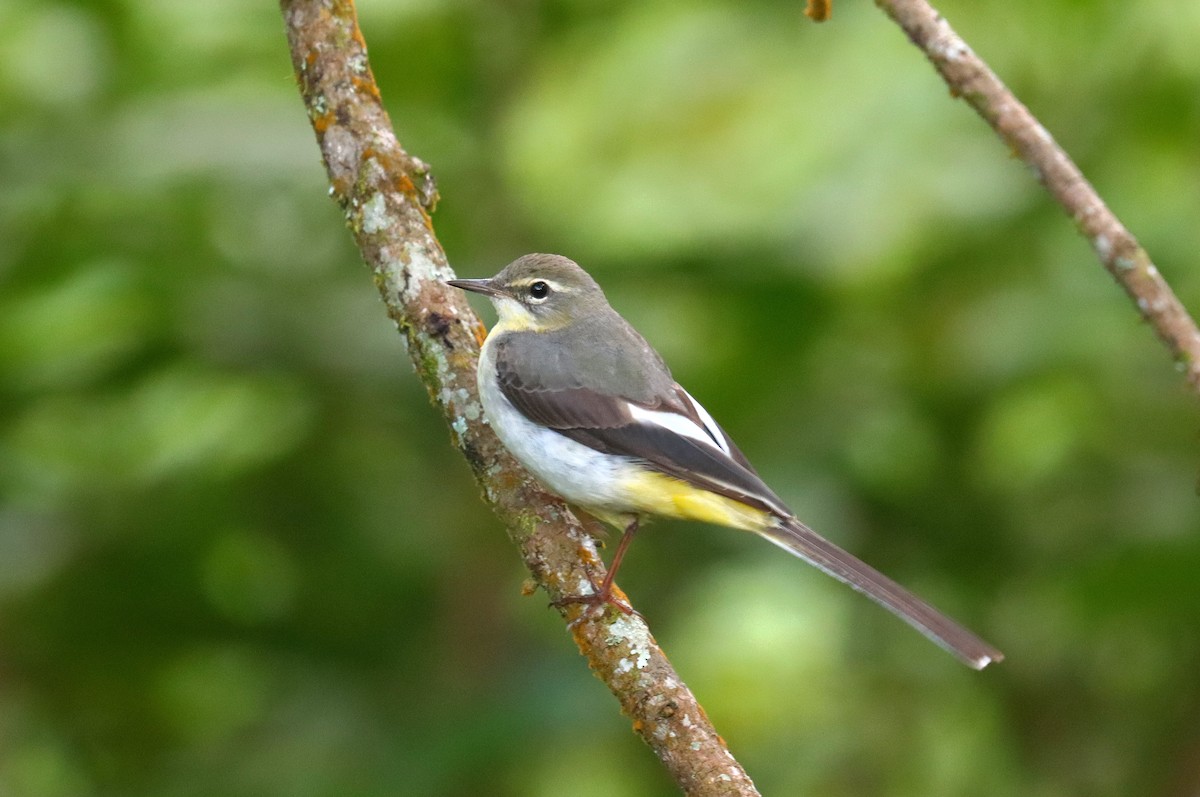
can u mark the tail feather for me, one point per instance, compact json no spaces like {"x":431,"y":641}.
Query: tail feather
{"x":799,"y":540}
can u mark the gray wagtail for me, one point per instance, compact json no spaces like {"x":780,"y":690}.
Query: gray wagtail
{"x":584,"y":402}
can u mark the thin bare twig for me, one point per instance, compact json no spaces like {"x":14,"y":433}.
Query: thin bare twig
{"x":819,"y":10}
{"x":386,"y":195}
{"x":970,"y":78}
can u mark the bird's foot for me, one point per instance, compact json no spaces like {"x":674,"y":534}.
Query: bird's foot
{"x":598,"y":598}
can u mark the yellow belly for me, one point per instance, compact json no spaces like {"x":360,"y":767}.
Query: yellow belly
{"x":657,"y":494}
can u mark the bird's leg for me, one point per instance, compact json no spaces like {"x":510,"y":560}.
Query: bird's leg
{"x":603,"y":593}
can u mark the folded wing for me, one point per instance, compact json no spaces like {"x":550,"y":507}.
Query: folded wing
{"x":672,"y":434}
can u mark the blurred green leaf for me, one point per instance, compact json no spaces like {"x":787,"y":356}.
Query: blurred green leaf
{"x":250,"y":578}
{"x":212,"y":694}
{"x":72,"y":332}
{"x":181,"y":420}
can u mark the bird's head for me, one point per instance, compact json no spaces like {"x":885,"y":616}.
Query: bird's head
{"x":539,"y":293}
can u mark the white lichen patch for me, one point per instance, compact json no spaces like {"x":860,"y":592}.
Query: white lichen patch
{"x":319,"y":105}
{"x":421,"y":268}
{"x":375,"y":216}
{"x":634,"y":634}
{"x":949,"y":47}
{"x":460,"y":400}
{"x":1103,"y":247}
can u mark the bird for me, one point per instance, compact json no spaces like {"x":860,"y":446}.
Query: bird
{"x":588,"y":407}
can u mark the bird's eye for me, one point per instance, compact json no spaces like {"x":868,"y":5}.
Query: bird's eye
{"x":539,"y":290}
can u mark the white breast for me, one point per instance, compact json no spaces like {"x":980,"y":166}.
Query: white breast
{"x":569,"y":469}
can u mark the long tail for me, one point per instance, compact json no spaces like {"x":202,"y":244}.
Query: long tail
{"x":799,"y":540}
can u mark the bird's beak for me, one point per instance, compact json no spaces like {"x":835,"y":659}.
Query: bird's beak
{"x":478,"y":286}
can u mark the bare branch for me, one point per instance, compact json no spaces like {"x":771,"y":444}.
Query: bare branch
{"x":819,"y":10}
{"x":386,"y":196}
{"x":970,"y":78}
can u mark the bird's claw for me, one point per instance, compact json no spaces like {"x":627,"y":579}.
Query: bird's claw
{"x":596,"y":600}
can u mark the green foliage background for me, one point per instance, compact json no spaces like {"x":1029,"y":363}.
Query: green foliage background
{"x":238,"y":557}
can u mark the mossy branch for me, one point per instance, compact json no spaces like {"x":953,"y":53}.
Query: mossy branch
{"x":970,"y":78}
{"x":386,"y":196}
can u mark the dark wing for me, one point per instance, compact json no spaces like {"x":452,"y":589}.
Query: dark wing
{"x":670,"y":433}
